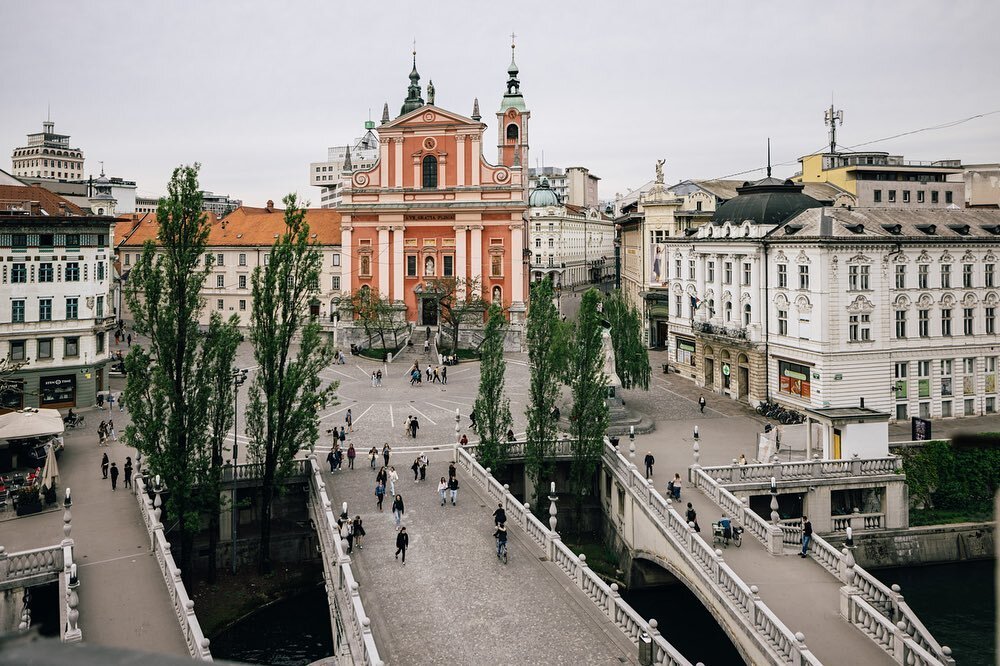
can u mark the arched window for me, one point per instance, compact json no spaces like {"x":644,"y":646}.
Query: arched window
{"x":430,"y":171}
{"x":729,"y":310}
{"x":512,"y":132}
{"x":746,"y":314}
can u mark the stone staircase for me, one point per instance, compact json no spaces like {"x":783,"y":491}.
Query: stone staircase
{"x":416,"y":353}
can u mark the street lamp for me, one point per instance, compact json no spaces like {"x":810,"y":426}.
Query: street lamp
{"x":239,"y":376}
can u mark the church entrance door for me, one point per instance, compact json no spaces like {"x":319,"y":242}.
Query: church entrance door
{"x":428,"y":312}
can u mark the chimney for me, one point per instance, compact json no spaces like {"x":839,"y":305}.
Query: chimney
{"x":862,"y":403}
{"x":270,"y":205}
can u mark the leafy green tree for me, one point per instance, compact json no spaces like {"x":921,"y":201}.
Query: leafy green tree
{"x":459,"y":299}
{"x":285,"y":395}
{"x":546,"y":349}
{"x":589,"y":384}
{"x":377,"y":315}
{"x":170,"y":389}
{"x":492,"y":406}
{"x":631,"y":356}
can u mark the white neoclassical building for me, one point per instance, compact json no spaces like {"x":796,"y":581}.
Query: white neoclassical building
{"x":782,"y":298}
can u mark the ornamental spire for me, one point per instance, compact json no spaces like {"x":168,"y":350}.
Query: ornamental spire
{"x":475,"y":110}
{"x":385,"y":113}
{"x":413,"y":99}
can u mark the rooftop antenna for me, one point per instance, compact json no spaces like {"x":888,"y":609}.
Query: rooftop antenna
{"x":768,"y":157}
{"x":102,"y":167}
{"x":831,"y":118}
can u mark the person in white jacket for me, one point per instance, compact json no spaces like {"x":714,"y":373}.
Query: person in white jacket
{"x":443,"y":489}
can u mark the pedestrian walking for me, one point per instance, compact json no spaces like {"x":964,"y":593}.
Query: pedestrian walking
{"x":465,"y":440}
{"x":349,"y":419}
{"x":379,"y":494}
{"x":338,"y":457}
{"x":402,"y":542}
{"x":100,"y":401}
{"x":342,"y":436}
{"x":359,"y":533}
{"x":702,"y":403}
{"x":472,"y":417}
{"x":385,"y":452}
{"x":102,"y":433}
{"x":453,"y":489}
{"x":691,"y":516}
{"x":427,"y":346}
{"x":406,"y":428}
{"x":111,"y":400}
{"x":128,"y":472}
{"x":437,"y":376}
{"x":393,"y":478}
{"x":414,"y":426}
{"x":444,"y":374}
{"x":372,"y":455}
{"x":452,"y":472}
{"x":332,"y":459}
{"x":111,"y":429}
{"x":382,"y":476}
{"x":351,"y":454}
{"x":416,"y":469}
{"x":397,"y":509}
{"x":429,"y":373}
{"x":423,"y":466}
{"x":674,"y":487}
{"x":373,"y":379}
{"x":442,"y":489}
{"x":649,"y":460}
{"x":129,"y":339}
{"x":114,"y":479}
{"x":104,"y":465}
{"x":121,"y":402}
{"x":807,"y":535}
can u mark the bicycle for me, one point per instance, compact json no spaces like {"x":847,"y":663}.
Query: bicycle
{"x":502,"y":551}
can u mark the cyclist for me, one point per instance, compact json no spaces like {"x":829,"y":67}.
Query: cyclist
{"x":501,"y":537}
{"x":499,"y":516}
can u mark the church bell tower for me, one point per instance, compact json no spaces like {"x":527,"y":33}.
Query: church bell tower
{"x":512,"y":121}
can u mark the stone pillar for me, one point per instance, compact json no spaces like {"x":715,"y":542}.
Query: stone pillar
{"x":756,"y":314}
{"x":398,"y":262}
{"x":809,"y":437}
{"x":717,"y":287}
{"x":460,"y":163}
{"x":398,"y":171}
{"x":442,"y":172}
{"x":516,"y":266}
{"x":417,"y":182}
{"x":383,"y":162}
{"x":476,"y":253}
{"x":383,"y":261}
{"x":460,"y":258}
{"x":346,"y":255}
{"x":475,"y":158}
{"x":699,"y":279}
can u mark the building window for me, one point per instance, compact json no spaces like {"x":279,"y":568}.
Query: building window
{"x":100,"y":307}
{"x":219,"y":304}
{"x":901,"y":412}
{"x":335,"y":284}
{"x":728,"y":307}
{"x":900,"y":276}
{"x":18,"y":274}
{"x":934,"y":197}
{"x":967,"y":320}
{"x":923,"y":323}
{"x":803,"y":277}
{"x":711,"y":271}
{"x":923,"y":275}
{"x":727,"y":274}
{"x":899,"y":372}
{"x":746,"y":314}
{"x":220,"y":281}
{"x":128,"y":259}
{"x":989,"y":271}
{"x":782,"y":322}
{"x":411,"y":265}
{"x":793,"y":379}
{"x":45,"y":348}
{"x":678,"y":304}
{"x":448,"y":265}
{"x":858,"y":278}
{"x":512,"y":132}
{"x":243,"y":305}
{"x":552,"y":243}
{"x":538,"y":242}
{"x":72,"y":272}
{"x":860,"y":328}
{"x":220,"y":259}
{"x":991,"y":321}
{"x":72,"y":241}
{"x":967,"y":275}
{"x":946,"y":276}
{"x":892,"y":196}
{"x":496,"y":266}
{"x":17,"y":350}
{"x":948,"y":197}
{"x":72,"y":308}
{"x":946,"y":321}
{"x":242,"y":281}
{"x":969,"y":407}
{"x":17,"y":312}
{"x":746,"y":274}
{"x":946,"y":380}
{"x":906,"y":196}
{"x":71,"y":346}
{"x":946,"y":410}
{"x":45,"y":273}
{"x":100,"y":271}
{"x":900,"y":323}
{"x":690,"y":269}
{"x":99,"y":340}
{"x":430,"y":171}
{"x":920,"y":196}
{"x":44,"y":309}
{"x":243,"y":259}
{"x":878,"y":195}
{"x":782,"y":276}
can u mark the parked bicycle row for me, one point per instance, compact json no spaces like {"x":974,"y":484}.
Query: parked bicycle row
{"x":780,"y":413}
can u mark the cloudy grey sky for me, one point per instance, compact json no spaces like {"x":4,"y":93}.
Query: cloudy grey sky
{"x":256,"y":90}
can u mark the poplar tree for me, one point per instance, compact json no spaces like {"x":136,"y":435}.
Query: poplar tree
{"x":492,"y":406}
{"x":546,"y":348}
{"x":285,"y":395}
{"x":631,"y":356}
{"x":589,"y":385}
{"x":169,"y":388}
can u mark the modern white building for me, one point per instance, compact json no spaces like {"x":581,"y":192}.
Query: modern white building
{"x":783,"y":298}
{"x":217,"y":204}
{"x":56,"y":310}
{"x":361,"y":155}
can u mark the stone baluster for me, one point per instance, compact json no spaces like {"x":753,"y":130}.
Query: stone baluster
{"x":582,"y":573}
{"x":524,"y":518}
{"x":855,"y":465}
{"x":4,"y":563}
{"x":73,"y":633}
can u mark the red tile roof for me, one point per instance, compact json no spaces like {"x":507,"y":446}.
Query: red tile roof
{"x":16,"y":196}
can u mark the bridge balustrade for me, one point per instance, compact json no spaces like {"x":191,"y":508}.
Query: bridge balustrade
{"x":805,"y":470}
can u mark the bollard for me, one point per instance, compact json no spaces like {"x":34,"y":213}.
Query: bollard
{"x":645,"y":649}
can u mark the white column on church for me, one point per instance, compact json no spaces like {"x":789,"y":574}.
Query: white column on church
{"x":460,"y":257}
{"x":384,"y":251}
{"x":346,"y":252}
{"x":383,"y":162}
{"x":516,"y":264}
{"x":442,"y":172}
{"x":460,"y":164}
{"x":398,"y":262}
{"x":475,"y":158}
{"x":476,"y":254}
{"x":398,"y":172}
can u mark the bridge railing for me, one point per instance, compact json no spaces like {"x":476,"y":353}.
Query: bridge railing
{"x":772,"y":536}
{"x":806,"y":470}
{"x":254,"y":471}
{"x":195,"y":639}
{"x":604,"y":596}
{"x":30,"y":567}
{"x":343,"y":597}
{"x":728,"y":589}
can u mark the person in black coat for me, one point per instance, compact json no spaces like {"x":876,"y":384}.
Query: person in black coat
{"x":128,"y":472}
{"x":104,"y":465}
{"x":649,"y":460}
{"x":114,"y":477}
{"x":402,"y":542}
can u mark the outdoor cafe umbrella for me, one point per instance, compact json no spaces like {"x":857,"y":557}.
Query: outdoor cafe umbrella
{"x":51,"y":473}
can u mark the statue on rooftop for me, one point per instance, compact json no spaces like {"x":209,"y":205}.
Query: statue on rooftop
{"x":659,"y":171}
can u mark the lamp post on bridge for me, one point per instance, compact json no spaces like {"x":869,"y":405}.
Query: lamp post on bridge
{"x":239,"y":376}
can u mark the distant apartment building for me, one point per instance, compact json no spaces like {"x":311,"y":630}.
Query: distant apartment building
{"x":56,"y":313}
{"x":48,"y":155}
{"x":217,"y":204}
{"x":237,"y":244}
{"x":982,"y":185}
{"x":362,"y":154}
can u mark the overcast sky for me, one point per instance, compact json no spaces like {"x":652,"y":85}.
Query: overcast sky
{"x":255,"y":91}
